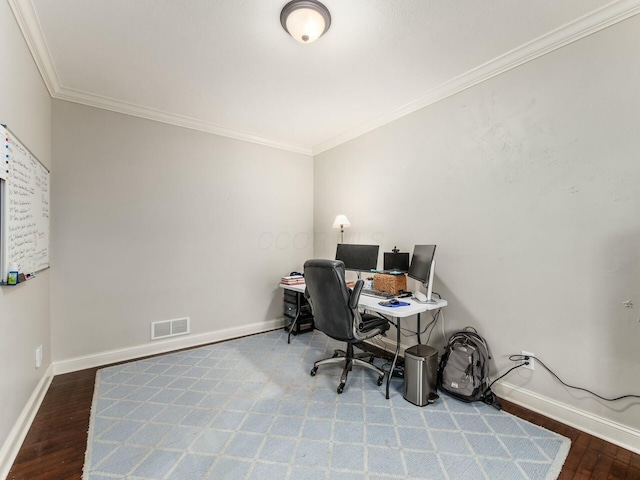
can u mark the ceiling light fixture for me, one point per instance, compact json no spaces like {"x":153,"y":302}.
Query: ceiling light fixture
{"x":305,"y":20}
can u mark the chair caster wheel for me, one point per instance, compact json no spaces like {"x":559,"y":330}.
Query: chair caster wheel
{"x":340,"y":388}
{"x":380,"y":380}
{"x":313,"y":372}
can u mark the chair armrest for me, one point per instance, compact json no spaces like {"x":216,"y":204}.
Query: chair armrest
{"x":366,"y":326}
{"x":355,"y":294}
{"x":368,"y":322}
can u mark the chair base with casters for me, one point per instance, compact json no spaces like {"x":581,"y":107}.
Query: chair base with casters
{"x":349,"y":359}
{"x":336,"y":314}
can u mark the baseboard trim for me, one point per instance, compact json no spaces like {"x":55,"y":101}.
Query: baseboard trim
{"x":12,"y":445}
{"x":595,"y":425}
{"x":158,"y":347}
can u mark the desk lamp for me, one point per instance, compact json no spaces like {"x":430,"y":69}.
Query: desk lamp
{"x":341,"y":222}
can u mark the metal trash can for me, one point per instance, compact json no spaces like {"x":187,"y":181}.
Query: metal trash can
{"x":421,"y":375}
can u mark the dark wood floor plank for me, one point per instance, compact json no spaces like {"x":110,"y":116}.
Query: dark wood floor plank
{"x":55,"y":444}
{"x":571,"y":464}
{"x":618,"y":471}
{"x":602,"y":467}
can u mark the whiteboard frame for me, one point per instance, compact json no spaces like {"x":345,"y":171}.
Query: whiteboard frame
{"x":4,"y":246}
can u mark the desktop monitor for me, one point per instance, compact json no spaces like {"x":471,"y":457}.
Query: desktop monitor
{"x":422,"y":266}
{"x":396,"y":262}
{"x":359,"y":258}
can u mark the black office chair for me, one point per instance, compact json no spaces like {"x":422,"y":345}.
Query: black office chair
{"x":335,"y":313}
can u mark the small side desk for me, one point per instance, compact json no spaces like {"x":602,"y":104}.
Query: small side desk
{"x":297,"y":312}
{"x":372,"y":304}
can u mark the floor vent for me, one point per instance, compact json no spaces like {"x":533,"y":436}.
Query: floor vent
{"x":169,"y":328}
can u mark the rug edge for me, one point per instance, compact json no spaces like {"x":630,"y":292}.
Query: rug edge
{"x":563,"y":452}
{"x":556,"y":467}
{"x":92,"y":412}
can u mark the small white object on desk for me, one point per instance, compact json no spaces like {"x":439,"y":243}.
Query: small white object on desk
{"x":420,"y":297}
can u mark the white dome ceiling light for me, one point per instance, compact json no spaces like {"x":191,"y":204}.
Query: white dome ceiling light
{"x":305,"y":20}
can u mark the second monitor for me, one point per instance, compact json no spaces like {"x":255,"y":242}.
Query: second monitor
{"x":396,"y":262}
{"x":358,"y":258}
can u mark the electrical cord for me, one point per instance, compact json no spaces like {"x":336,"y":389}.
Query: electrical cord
{"x":433,"y":323}
{"x":525,"y":360}
{"x":412,"y":333}
{"x":507,"y":372}
{"x":438,"y":314}
{"x":430,"y":325}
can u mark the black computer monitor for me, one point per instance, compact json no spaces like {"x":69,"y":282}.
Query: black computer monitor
{"x":396,"y":262}
{"x":359,"y":258}
{"x":420,"y":267}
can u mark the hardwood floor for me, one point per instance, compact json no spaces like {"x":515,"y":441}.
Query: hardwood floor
{"x":55,"y":445}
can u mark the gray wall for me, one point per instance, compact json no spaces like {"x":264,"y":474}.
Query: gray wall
{"x":156,"y":222}
{"x":528,"y":184}
{"x":25,"y":107}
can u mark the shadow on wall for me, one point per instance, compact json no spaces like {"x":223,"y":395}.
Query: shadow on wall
{"x":616,"y":295}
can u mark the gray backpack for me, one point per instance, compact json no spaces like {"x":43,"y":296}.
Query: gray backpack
{"x":464,"y":368}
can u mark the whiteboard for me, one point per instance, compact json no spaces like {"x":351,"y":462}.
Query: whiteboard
{"x":24,"y":208}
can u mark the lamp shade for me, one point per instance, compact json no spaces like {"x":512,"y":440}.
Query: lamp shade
{"x":341,"y":221}
{"x":305,"y":20}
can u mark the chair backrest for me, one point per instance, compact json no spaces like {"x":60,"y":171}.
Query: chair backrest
{"x":329,"y":297}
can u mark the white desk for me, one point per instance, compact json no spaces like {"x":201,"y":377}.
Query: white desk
{"x":372,"y":304}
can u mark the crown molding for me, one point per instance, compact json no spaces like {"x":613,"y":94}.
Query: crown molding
{"x":29,"y":25}
{"x":604,"y":17}
{"x":569,"y":33}
{"x":105,"y":103}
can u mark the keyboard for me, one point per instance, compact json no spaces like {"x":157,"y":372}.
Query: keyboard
{"x":377,"y":294}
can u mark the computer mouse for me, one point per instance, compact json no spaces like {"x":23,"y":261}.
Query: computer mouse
{"x":393,"y":301}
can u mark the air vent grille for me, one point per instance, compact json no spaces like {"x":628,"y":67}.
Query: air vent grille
{"x":170,"y":328}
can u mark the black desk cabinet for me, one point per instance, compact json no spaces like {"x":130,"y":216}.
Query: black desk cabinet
{"x":297,"y":312}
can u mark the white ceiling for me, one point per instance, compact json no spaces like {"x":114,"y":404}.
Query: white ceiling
{"x":228,"y":67}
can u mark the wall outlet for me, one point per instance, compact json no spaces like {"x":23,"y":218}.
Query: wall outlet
{"x":39,"y":356}
{"x":531,"y":359}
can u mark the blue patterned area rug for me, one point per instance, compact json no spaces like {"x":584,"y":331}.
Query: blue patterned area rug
{"x":248,"y":409}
